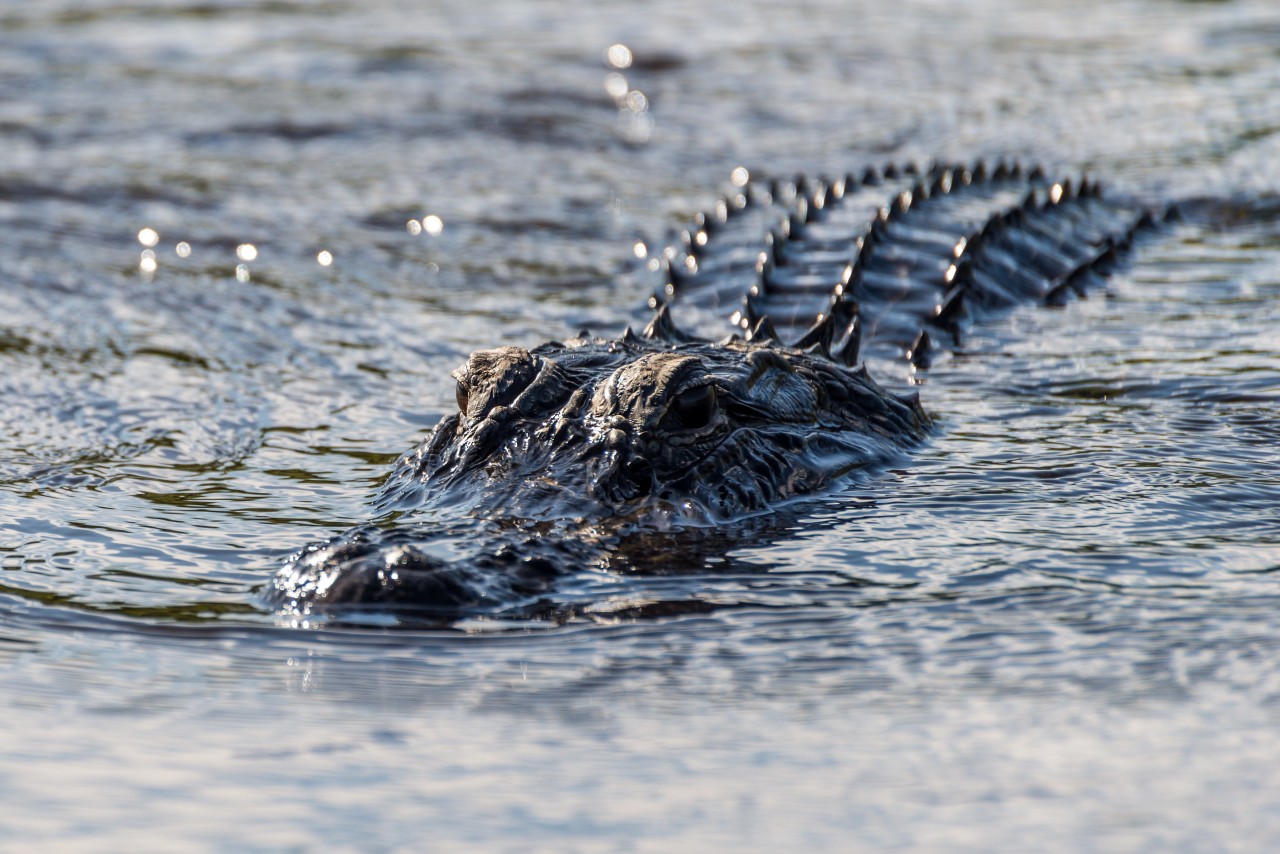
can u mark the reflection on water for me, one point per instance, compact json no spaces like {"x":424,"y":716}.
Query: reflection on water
{"x":217,"y":332}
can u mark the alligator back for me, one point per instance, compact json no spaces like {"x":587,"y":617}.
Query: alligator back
{"x":874,"y":265}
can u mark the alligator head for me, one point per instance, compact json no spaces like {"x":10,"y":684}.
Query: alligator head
{"x":662,"y":425}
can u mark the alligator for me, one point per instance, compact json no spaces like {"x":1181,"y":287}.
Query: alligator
{"x":594,"y":454}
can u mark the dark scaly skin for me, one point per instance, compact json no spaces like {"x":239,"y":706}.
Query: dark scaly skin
{"x":569,"y":458}
{"x":594,"y":439}
{"x":700,"y":432}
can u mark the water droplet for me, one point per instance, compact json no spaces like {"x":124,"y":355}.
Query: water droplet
{"x":183,"y":249}
{"x":640,"y":249}
{"x":246,"y":252}
{"x":324,"y":257}
{"x":413,"y":227}
{"x":740,"y":176}
{"x":432,"y":224}
{"x":242,"y":272}
{"x":148,"y":237}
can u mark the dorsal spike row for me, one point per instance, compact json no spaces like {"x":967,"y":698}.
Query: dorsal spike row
{"x":764,"y":274}
{"x":677,"y":275}
{"x":818,"y":201}
{"x":773,"y":241}
{"x":763,"y":331}
{"x":838,"y":332}
{"x":800,"y":213}
{"x":950,"y":313}
{"x":920,"y":354}
{"x":1031,"y":249}
{"x":900,"y":205}
{"x":846,"y":349}
{"x":866,"y":249}
{"x":835,"y":192}
{"x":1105,"y":263}
{"x":850,"y":279}
{"x":942,"y":183}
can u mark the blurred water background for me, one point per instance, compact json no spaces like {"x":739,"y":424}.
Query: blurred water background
{"x":1055,"y":629}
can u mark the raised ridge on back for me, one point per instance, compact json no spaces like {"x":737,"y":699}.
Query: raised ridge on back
{"x":864,"y":265}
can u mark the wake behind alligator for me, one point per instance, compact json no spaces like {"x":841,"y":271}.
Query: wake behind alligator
{"x":657,"y":452}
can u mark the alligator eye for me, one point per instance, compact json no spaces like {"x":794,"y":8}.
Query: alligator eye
{"x":460,"y":393}
{"x":696,"y":406}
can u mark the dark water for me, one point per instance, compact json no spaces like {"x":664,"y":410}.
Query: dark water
{"x":1057,"y":623}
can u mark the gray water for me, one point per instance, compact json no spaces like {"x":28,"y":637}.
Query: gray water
{"x":1053,"y":629}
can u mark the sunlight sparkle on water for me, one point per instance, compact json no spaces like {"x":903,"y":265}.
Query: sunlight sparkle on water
{"x":616,"y":85}
{"x":324,"y":258}
{"x":183,"y":249}
{"x":618,"y":56}
{"x":246,"y":252}
{"x":432,"y":224}
{"x":148,"y":237}
{"x":636,"y":101}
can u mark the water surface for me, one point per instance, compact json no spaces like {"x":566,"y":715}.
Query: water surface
{"x":1056,"y":622}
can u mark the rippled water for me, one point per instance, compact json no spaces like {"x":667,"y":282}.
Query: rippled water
{"x":1056,"y":623}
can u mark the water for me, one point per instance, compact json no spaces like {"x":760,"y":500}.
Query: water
{"x":1056,"y":623}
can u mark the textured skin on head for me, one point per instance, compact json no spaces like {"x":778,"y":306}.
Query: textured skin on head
{"x":707,"y":431}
